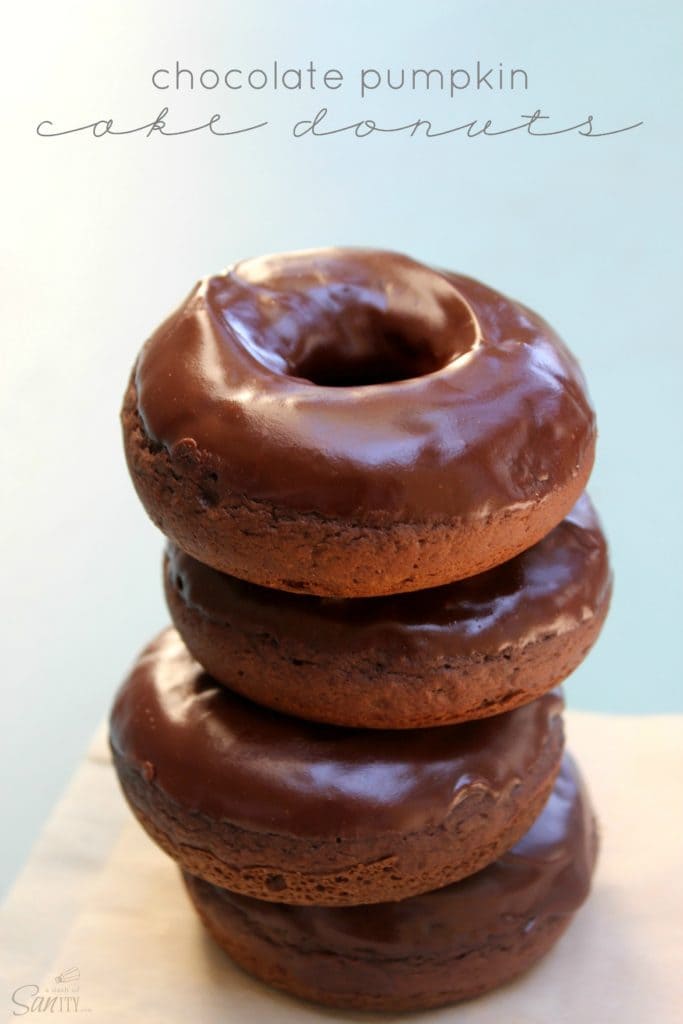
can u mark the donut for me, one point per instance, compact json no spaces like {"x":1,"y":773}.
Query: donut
{"x":283,"y":809}
{"x":461,"y":651}
{"x":440,"y":947}
{"x":352,"y":423}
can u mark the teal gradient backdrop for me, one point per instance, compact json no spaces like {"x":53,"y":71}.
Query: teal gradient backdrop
{"x":102,"y":236}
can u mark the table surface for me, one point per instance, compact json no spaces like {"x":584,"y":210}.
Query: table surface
{"x":97,"y":898}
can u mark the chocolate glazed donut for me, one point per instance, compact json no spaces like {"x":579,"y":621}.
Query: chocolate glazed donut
{"x":352,"y":423}
{"x":288,"y":810}
{"x":465,"y":650}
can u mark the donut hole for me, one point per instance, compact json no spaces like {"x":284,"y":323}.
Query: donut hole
{"x":379,"y":359}
{"x":349,"y":318}
{"x":363,"y":345}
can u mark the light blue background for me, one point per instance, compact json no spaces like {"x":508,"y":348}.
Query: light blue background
{"x":101,"y":238}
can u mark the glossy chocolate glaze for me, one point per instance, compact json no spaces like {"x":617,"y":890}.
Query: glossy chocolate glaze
{"x":218,"y":754}
{"x":549,"y":589}
{"x":360,"y":383}
{"x":547,"y":873}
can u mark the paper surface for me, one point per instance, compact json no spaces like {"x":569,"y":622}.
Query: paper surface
{"x":99,"y":906}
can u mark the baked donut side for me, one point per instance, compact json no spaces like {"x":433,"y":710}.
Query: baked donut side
{"x":281,"y":809}
{"x":307,"y":553}
{"x":339,"y":872}
{"x":352,"y":423}
{"x":466,"y":650}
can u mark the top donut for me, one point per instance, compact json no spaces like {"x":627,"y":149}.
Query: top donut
{"x":349,"y":422}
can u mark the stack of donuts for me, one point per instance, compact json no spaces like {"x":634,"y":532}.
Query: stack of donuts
{"x":381,"y":564}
